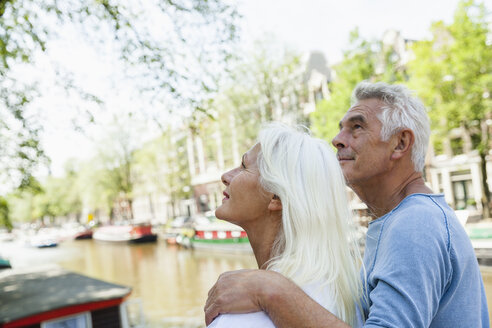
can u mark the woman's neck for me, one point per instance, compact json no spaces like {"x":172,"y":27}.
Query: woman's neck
{"x":261,"y":237}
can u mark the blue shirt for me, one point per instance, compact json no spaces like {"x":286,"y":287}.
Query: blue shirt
{"x":421,"y":269}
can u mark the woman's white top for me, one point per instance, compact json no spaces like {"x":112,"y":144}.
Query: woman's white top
{"x":324,"y":296}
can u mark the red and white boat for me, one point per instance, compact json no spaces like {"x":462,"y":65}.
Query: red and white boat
{"x":218,"y":235}
{"x":131,"y":233}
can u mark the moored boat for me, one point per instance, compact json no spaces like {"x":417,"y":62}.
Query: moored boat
{"x":131,"y":233}
{"x":219,"y":235}
{"x":4,"y":263}
{"x":54,"y":297}
{"x":46,"y":237}
{"x":41,"y":241}
{"x":77,"y":231}
{"x":85,"y":234}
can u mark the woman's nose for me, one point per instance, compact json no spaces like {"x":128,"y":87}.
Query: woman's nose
{"x":227,"y":177}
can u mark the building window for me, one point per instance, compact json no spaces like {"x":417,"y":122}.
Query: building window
{"x":78,"y":321}
{"x":318,"y":95}
{"x":476,"y":140}
{"x":457,"y":146}
{"x":439,"y":183}
{"x":463,"y":190}
{"x":438,"y":147}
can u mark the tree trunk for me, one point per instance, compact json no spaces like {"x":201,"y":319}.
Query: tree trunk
{"x":484,"y":151}
{"x":130,"y":208}
{"x":151,"y":207}
{"x":485,"y":187}
{"x":173,"y":203}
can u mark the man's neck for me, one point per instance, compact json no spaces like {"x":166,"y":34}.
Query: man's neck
{"x":385,"y":194}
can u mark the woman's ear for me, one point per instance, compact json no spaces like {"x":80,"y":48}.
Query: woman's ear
{"x":275,"y":204}
{"x":403,"y":143}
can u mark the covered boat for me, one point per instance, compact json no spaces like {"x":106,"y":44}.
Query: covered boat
{"x":50,"y":298}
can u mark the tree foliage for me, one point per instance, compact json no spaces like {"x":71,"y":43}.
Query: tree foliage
{"x":265,"y":84}
{"x":161,"y":166}
{"x":453,"y":70}
{"x":172,"y":51}
{"x":358,"y":64}
{"x":373,"y":60}
{"x":5,"y":220}
{"x":453,"y":73}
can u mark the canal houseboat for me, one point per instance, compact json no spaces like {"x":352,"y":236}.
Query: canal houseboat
{"x":131,"y":233}
{"x":218,"y":235}
{"x":52,"y":298}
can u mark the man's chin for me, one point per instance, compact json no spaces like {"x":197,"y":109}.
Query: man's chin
{"x":348,"y":177}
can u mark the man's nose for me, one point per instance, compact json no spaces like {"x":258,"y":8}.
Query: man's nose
{"x":339,"y":141}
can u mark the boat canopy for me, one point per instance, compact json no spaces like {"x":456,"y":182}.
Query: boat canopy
{"x":37,"y":293}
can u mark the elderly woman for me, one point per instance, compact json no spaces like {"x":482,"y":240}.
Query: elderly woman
{"x":288,"y":194}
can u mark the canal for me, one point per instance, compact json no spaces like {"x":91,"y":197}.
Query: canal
{"x":170,"y":282}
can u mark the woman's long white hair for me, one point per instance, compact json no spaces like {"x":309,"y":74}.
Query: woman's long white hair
{"x":316,"y":241}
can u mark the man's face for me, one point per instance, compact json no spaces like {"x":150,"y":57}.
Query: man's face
{"x":363,"y":156}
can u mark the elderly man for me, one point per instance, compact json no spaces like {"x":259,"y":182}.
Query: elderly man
{"x":419,"y":270}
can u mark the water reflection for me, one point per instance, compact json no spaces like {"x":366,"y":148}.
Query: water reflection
{"x":172,"y":283}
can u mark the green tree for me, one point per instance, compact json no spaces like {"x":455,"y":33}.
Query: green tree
{"x":5,"y":214}
{"x":60,"y":197}
{"x":358,"y":64}
{"x":265,"y":84}
{"x":452,"y":72}
{"x":170,"y":49}
{"x":22,"y":201}
{"x":114,"y":164}
{"x":372,"y":60}
{"x":161,"y":166}
{"x":96,"y":193}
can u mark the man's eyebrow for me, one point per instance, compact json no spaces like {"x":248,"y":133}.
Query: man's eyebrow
{"x":354,"y":119}
{"x":358,"y":119}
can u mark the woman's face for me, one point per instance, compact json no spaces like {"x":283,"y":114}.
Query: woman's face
{"x":244,"y":199}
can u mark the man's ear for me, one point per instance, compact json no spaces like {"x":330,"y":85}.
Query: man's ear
{"x":403,"y":143}
{"x":275,"y":204}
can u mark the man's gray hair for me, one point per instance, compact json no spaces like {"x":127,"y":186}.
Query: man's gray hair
{"x":402,"y":110}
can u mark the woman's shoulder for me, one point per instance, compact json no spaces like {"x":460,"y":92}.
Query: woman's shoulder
{"x":319,"y":292}
{"x":243,"y":320}
{"x":323,"y":294}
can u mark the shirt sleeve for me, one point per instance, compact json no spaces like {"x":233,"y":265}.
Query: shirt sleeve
{"x":410,"y":273}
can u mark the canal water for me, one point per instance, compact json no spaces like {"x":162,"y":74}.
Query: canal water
{"x":171,"y":283}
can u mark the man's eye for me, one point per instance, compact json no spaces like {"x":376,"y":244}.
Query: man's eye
{"x":242,"y":165}
{"x":357,"y":126}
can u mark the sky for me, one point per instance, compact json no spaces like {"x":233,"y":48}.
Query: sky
{"x":325,"y":24}
{"x":306,"y":25}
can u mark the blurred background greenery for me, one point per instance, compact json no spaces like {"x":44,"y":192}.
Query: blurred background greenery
{"x":192,"y":100}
